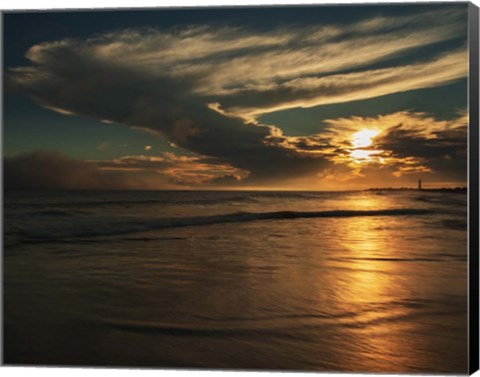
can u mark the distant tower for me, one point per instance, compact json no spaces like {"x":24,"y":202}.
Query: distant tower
{"x":419,"y":184}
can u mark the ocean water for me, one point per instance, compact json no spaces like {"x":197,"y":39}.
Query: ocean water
{"x":365,"y":281}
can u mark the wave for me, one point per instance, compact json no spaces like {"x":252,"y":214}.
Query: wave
{"x":446,"y":200}
{"x":371,"y":314}
{"x":460,"y":224}
{"x":160,"y":201}
{"x":173,"y":198}
{"x":92,"y":226}
{"x":240,"y":217}
{"x":61,"y":212}
{"x":191,"y":330}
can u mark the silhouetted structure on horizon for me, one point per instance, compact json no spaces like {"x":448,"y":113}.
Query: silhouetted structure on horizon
{"x":419,"y":188}
{"x":450,"y":189}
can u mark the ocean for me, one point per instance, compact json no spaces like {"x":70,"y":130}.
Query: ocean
{"x":360,"y":281}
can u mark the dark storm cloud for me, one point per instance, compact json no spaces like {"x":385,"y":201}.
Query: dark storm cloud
{"x":72,"y":81}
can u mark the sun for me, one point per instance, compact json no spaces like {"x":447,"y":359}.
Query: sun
{"x":360,"y":141}
{"x":363,"y":138}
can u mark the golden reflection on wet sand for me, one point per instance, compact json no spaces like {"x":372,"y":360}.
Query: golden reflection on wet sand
{"x":368,"y":291}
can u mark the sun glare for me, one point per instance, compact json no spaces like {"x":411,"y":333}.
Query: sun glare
{"x":362,"y":154}
{"x":362,"y":139}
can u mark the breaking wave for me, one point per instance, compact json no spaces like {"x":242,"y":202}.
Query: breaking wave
{"x":108,"y":226}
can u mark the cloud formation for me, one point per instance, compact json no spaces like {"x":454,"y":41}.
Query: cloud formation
{"x":52,"y":170}
{"x":402,"y":144}
{"x":249,"y":72}
{"x":177,"y":170}
{"x":202,"y":88}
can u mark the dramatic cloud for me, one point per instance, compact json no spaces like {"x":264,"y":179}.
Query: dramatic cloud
{"x":393,"y":145}
{"x":202,"y":88}
{"x":250,"y":73}
{"x":388,"y":148}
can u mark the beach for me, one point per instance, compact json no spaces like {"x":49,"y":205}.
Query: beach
{"x":354,"y":281}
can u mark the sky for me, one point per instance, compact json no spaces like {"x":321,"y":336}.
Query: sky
{"x":276,"y":98}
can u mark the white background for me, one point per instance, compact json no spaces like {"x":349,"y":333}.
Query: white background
{"x":85,"y":4}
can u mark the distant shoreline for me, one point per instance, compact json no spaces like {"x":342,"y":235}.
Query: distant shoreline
{"x":416,"y":189}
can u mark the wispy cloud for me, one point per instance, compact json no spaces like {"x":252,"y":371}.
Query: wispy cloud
{"x":256,"y":99}
{"x":176,"y":170}
{"x":249,"y":73}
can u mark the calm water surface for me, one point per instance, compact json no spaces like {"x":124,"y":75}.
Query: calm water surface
{"x":352,"y":281}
